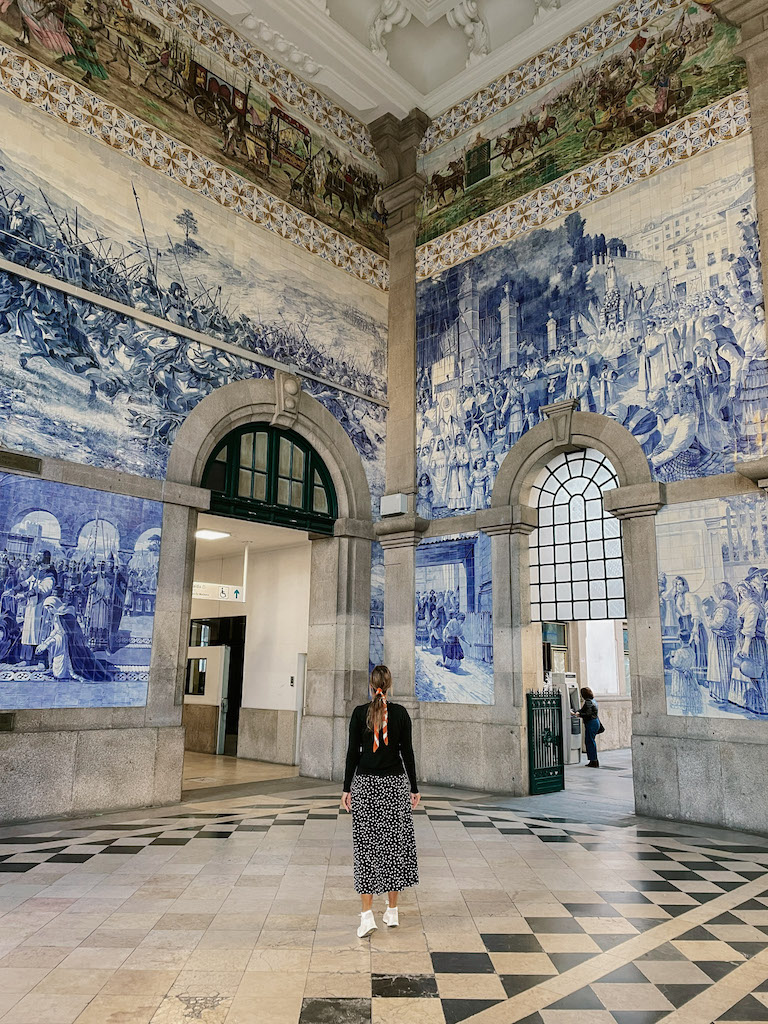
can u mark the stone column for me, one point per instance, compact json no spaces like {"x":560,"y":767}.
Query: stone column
{"x":752,"y":17}
{"x":397,"y":143}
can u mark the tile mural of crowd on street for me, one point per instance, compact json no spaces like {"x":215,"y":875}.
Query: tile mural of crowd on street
{"x":713,"y":589}
{"x":124,"y":386}
{"x":124,"y":52}
{"x":681,"y":63}
{"x":78,"y":580}
{"x":454,"y":620}
{"x":648,"y":309}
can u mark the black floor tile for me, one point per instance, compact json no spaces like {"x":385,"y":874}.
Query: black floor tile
{"x":70,"y":858}
{"x":403,"y":986}
{"x":679,"y":995}
{"x":121,"y":849}
{"x":584,"y":999}
{"x":654,"y":885}
{"x":644,"y":924}
{"x":335,"y":1011}
{"x":592,"y":910}
{"x":170,"y":841}
{"x":629,"y":974}
{"x":512,"y":943}
{"x":16,"y":866}
{"x":698,"y":934}
{"x":638,"y":1016}
{"x":748,"y":1008}
{"x":748,"y":949}
{"x":535,"y":1018}
{"x":456,"y":1010}
{"x":565,"y":961}
{"x":514,"y":984}
{"x":462,"y":963}
{"x":624,"y":897}
{"x":606,"y":942}
{"x":729,"y":886}
{"x":717,"y":969}
{"x":554,"y":925}
{"x":677,"y":909}
{"x":515,"y":831}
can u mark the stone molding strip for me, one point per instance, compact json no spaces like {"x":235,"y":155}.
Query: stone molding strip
{"x":32,"y":82}
{"x":243,"y":55}
{"x":623,"y":21}
{"x":172,"y":328}
{"x":721,"y":122}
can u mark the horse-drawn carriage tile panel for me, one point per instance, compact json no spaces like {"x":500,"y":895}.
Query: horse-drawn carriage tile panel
{"x":253,"y":116}
{"x":682,"y":62}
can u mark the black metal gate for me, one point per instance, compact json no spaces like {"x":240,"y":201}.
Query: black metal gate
{"x":545,"y":741}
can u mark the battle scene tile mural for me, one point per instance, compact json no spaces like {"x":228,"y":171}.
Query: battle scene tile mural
{"x":454,"y":620}
{"x":682,"y":62}
{"x":647,"y":308}
{"x":126,"y":53}
{"x":713,"y":583}
{"x":78,"y":581}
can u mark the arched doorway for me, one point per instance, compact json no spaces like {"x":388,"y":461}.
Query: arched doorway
{"x":271,"y":435}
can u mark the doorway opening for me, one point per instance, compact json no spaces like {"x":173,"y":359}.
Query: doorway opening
{"x":248,"y":640}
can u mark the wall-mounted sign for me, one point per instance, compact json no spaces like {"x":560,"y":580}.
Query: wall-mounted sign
{"x":217,"y":592}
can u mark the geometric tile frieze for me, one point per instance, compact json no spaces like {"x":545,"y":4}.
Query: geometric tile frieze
{"x":719,"y":123}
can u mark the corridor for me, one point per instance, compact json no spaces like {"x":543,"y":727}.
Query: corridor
{"x":237,"y":908}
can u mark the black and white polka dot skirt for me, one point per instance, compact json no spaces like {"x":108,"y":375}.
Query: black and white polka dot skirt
{"x":382,"y":834}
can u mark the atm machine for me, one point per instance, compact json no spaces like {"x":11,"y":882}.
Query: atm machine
{"x":566,"y":683}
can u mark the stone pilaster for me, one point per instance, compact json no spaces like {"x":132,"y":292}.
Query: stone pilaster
{"x":397,"y":143}
{"x":752,"y":17}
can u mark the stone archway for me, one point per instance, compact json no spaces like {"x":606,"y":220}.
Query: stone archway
{"x":512,"y":518}
{"x":337,"y":657}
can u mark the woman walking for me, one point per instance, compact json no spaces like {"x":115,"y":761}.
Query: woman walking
{"x":381,"y":792}
{"x":588,"y":714}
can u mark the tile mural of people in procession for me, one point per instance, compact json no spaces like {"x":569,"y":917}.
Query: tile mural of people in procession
{"x":78,"y":580}
{"x":647,"y":308}
{"x":678,"y":64}
{"x":124,"y":386}
{"x":713,"y":588}
{"x":129,"y":55}
{"x":454,"y":620}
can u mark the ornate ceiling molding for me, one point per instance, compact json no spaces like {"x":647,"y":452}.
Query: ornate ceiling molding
{"x":286,"y":50}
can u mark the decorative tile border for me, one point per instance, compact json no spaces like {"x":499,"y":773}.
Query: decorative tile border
{"x":224,"y":41}
{"x":722,"y":121}
{"x":623,"y":21}
{"x":27,"y":80}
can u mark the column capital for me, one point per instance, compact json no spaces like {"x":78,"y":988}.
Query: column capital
{"x":357,"y":529}
{"x":403,"y":531}
{"x":750,"y":15}
{"x":397,"y":141}
{"x":401,"y":199}
{"x":635,"y":500}
{"x":507,"y":520}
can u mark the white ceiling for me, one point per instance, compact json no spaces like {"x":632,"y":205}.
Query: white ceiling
{"x":258,"y":536}
{"x":434,"y":54}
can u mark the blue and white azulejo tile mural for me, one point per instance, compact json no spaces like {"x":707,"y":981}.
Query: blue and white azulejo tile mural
{"x":78,"y":580}
{"x":648,"y":308}
{"x":454,"y":620}
{"x":713,"y":586}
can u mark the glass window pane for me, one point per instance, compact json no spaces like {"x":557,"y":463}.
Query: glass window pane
{"x":599,"y":610}
{"x":260,"y":486}
{"x":545,"y":517}
{"x":260,"y":459}
{"x":297,"y":494}
{"x":244,"y":483}
{"x":616,"y":609}
{"x":216,"y":477}
{"x":246,"y":450}
{"x":547,"y":573}
{"x":284,"y":467}
{"x":222,"y":456}
{"x":283,"y":492}
{"x":320,"y":501}
{"x":297,"y":471}
{"x":581,"y":609}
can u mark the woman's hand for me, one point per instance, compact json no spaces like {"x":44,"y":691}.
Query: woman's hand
{"x":346,"y":801}
{"x":415,"y":800}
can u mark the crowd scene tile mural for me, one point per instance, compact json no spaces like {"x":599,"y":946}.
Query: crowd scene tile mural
{"x":123,"y":52}
{"x":713,"y":588}
{"x":682,"y":62}
{"x":78,"y":580}
{"x":647,"y":309}
{"x":124,"y":385}
{"x":454,"y":620}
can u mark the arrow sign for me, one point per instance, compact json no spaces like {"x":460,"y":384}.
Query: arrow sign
{"x":217,"y":592}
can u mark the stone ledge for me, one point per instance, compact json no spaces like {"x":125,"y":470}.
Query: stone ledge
{"x":635,"y":500}
{"x":401,"y":531}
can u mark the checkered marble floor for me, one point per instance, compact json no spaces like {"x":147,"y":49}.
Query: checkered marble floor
{"x":239,"y":909}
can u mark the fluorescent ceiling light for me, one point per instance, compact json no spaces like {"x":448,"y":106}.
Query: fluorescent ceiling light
{"x":211,"y":535}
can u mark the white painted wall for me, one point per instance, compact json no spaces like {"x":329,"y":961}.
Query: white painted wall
{"x":276,"y":608}
{"x":602,"y":656}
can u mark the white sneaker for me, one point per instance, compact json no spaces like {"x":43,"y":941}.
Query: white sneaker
{"x":390,"y":917}
{"x":367,"y":924}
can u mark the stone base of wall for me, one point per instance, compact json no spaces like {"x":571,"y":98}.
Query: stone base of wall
{"x":616,"y":716}
{"x":472,"y":755}
{"x":201,"y":723}
{"x":267,"y":735}
{"x":712,"y":781}
{"x":82,"y":772}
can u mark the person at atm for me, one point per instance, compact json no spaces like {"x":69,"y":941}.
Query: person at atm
{"x":589,"y":716}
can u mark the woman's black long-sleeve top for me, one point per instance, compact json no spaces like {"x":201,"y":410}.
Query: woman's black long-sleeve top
{"x":588,"y":710}
{"x":394,"y":758}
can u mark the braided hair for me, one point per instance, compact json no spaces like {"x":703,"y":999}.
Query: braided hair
{"x":381,"y":679}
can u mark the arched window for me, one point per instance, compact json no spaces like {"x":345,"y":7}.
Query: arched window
{"x":577,"y":568}
{"x":267,"y":475}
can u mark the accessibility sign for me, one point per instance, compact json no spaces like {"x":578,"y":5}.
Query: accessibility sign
{"x":217,"y":592}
